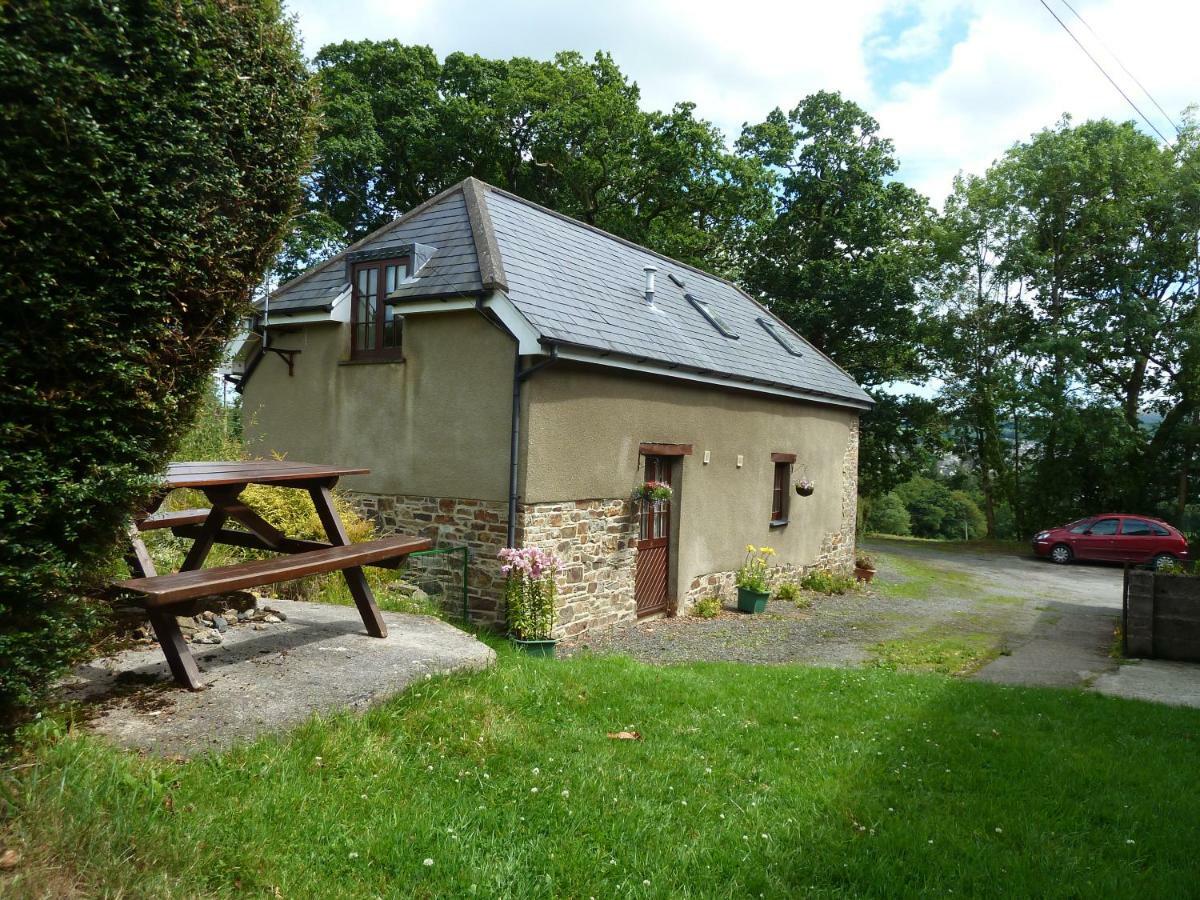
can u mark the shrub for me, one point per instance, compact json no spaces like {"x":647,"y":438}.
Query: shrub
{"x":863,"y":561}
{"x":152,"y":154}
{"x":530,"y":592}
{"x":789,"y":591}
{"x":822,"y":581}
{"x":707,"y":608}
{"x":888,"y":515}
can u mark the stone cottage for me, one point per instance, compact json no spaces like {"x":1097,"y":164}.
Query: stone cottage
{"x":510,"y":375}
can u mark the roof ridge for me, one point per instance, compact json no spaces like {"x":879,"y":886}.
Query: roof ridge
{"x":487,"y":251}
{"x":382,"y":229}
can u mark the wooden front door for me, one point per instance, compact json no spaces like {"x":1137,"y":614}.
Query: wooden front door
{"x":654,"y":543}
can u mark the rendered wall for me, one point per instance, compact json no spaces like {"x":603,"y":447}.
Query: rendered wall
{"x":434,"y":425}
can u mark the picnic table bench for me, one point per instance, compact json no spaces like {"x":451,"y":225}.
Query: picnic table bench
{"x":222,"y":484}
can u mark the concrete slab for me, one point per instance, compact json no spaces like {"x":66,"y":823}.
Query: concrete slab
{"x":257,"y":681}
{"x":1068,"y":647}
{"x":1157,"y":680}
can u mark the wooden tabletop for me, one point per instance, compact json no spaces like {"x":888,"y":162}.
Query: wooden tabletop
{"x":251,"y":471}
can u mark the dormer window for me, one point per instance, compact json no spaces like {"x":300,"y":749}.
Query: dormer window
{"x":375,"y":327}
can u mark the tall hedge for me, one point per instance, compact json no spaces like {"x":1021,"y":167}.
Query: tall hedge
{"x":150,"y":155}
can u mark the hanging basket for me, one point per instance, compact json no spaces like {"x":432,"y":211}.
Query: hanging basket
{"x":805,"y":488}
{"x":654,"y":493}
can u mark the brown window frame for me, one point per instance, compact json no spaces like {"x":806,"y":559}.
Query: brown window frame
{"x":378,"y":351}
{"x":781,"y":480}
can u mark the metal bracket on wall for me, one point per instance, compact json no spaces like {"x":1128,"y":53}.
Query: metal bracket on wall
{"x":288,"y":356}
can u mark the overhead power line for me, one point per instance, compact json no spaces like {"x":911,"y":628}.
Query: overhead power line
{"x":1104,"y":72}
{"x":1166,"y":115}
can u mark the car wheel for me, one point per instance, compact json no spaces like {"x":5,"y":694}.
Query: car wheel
{"x":1164,"y":561}
{"x":1061,"y":554}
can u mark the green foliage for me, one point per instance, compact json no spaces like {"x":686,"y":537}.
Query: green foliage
{"x":754,"y":574}
{"x":936,"y":511}
{"x":823,"y":581}
{"x":888,"y":515}
{"x":788,"y":591}
{"x":399,"y":125}
{"x":150,"y":161}
{"x":531,"y":606}
{"x":707,"y":608}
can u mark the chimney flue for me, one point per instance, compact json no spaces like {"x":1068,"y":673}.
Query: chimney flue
{"x":649,"y":270}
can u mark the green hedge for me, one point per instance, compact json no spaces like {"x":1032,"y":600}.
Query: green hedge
{"x":151,"y":159}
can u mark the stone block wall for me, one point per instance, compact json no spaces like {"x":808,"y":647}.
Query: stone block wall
{"x":481,"y":525}
{"x":596,"y":541}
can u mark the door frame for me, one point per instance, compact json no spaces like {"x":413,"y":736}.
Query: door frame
{"x":655,"y":467}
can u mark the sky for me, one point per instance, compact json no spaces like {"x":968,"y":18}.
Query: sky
{"x":952,"y":82}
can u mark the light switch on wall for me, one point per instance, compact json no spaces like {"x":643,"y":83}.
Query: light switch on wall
{"x":707,"y":457}
{"x":739,"y":460}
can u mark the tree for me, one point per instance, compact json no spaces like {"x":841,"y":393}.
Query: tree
{"x":399,"y":126}
{"x":151,"y":159}
{"x":982,"y":323}
{"x":888,"y":515}
{"x":848,"y":245}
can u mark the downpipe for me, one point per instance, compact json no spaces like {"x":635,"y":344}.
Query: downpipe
{"x":520,"y":375}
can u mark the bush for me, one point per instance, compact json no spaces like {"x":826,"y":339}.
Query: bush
{"x":822,"y":581}
{"x":788,"y":591}
{"x":707,"y":608}
{"x":888,"y":515}
{"x":152,"y":154}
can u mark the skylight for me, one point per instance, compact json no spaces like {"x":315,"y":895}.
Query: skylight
{"x":676,"y":279}
{"x":785,"y":341}
{"x":714,"y":317}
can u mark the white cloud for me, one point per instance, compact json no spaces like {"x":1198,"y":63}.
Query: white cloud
{"x":1015,"y":71}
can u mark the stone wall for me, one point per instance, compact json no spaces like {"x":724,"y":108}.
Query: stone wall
{"x":479,"y":524}
{"x":596,"y":541}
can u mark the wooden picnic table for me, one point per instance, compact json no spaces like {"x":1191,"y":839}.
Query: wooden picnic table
{"x":222,"y":484}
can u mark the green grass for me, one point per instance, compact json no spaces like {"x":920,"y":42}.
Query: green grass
{"x":920,"y":578}
{"x":749,"y":781}
{"x":935,"y":651}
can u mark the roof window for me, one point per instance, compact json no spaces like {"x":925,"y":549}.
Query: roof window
{"x":714,"y":318}
{"x":785,"y":341}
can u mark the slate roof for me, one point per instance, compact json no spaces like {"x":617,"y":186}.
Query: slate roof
{"x":580,"y":287}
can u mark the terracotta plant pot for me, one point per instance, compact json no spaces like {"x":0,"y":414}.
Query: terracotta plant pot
{"x":864,"y":575}
{"x":752,"y":601}
{"x":535,"y":648}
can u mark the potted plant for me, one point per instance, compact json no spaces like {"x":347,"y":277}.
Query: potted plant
{"x":864,"y":568}
{"x":805,"y":487}
{"x":754,"y":580}
{"x":530,"y":593}
{"x":653,"y":492}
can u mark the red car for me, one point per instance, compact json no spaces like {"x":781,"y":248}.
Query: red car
{"x":1114,"y":537}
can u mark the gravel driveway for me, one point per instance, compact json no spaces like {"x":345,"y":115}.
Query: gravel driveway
{"x":995,"y":615}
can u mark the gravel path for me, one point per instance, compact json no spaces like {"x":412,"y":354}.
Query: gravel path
{"x":843,"y":630}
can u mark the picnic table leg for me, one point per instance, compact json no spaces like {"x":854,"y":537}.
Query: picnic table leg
{"x":203,"y":544}
{"x":356,"y":580}
{"x":175,"y":649}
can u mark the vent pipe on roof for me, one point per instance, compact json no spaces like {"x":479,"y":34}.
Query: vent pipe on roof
{"x":649,"y":270}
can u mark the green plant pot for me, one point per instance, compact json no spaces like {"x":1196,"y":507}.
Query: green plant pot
{"x":535,"y":648}
{"x":751,"y":601}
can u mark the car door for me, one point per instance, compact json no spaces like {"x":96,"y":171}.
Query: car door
{"x":1137,"y":541}
{"x":1099,"y":541}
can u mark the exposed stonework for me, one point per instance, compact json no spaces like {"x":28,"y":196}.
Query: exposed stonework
{"x":595,"y":539}
{"x":837,"y":547}
{"x":479,"y":524}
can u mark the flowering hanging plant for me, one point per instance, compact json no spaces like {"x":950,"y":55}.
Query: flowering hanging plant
{"x":653,"y":490}
{"x":753,"y":574}
{"x":805,"y":486}
{"x":530,"y":591}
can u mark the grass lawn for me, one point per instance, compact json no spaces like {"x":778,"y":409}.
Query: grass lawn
{"x":749,"y":781}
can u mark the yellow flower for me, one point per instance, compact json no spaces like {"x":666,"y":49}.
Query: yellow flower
{"x":749,"y":548}
{"x":766,"y":551}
